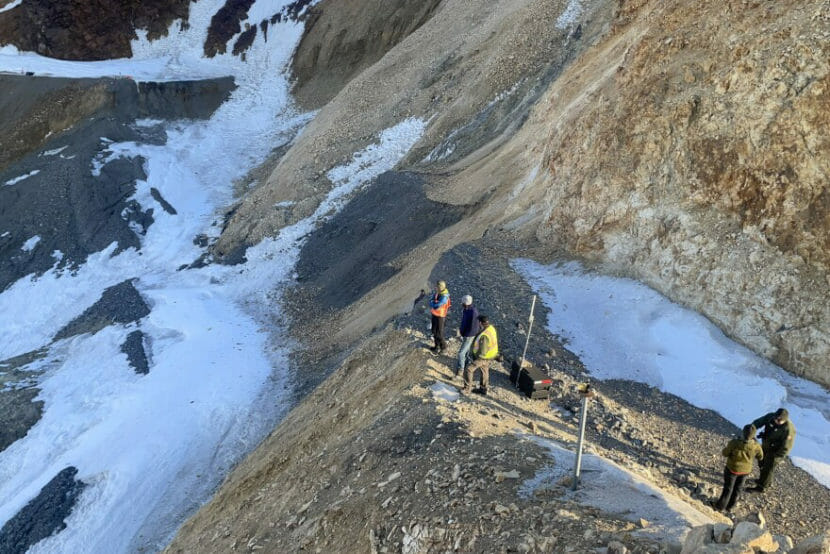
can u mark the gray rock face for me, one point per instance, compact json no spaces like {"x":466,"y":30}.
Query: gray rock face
{"x":182,"y":99}
{"x":133,"y":347}
{"x":44,"y":515}
{"x":71,"y":210}
{"x":20,"y":412}
{"x":118,"y":304}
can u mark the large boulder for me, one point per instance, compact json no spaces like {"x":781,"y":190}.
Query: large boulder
{"x":722,"y":533}
{"x":785,"y":543}
{"x":749,"y":534}
{"x":697,"y":538}
{"x":819,"y":544}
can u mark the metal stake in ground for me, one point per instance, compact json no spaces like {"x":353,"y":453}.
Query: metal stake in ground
{"x":586,"y":392}
{"x":527,"y":340}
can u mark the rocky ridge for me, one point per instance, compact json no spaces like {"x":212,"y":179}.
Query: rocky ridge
{"x":390,"y":466}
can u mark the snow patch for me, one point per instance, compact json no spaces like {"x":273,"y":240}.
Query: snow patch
{"x":30,"y":244}
{"x":622,"y":329}
{"x":570,"y":15}
{"x":55,"y":151}
{"x":395,"y":142}
{"x":22,"y":177}
{"x":443,"y":391}
{"x":11,"y":6}
{"x":611,"y":488}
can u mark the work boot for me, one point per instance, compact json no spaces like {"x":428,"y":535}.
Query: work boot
{"x":757,"y":488}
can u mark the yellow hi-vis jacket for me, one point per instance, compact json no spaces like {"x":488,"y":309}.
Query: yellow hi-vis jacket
{"x":491,"y":344}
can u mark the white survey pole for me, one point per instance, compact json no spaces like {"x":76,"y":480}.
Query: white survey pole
{"x":586,"y":392}
{"x":527,"y":340}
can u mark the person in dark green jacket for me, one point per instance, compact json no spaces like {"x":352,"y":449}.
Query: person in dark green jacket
{"x":777,"y":441}
{"x":739,"y":454}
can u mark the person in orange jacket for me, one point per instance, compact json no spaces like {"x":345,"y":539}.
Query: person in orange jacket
{"x":439,"y":305}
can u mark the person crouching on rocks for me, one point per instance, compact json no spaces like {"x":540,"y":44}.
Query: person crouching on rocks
{"x":485,"y":349}
{"x":439,"y":305}
{"x":468,"y":330}
{"x":739,"y":452}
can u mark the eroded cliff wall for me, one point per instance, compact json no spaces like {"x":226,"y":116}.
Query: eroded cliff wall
{"x":700,"y":165}
{"x":680,"y":144}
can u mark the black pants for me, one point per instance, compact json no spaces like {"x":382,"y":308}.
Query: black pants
{"x":731,"y":489}
{"x":438,"y":332}
{"x":767,"y":467}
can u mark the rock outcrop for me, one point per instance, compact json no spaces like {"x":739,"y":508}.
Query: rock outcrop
{"x":749,"y":537}
{"x":699,"y":165}
{"x":88,"y":30}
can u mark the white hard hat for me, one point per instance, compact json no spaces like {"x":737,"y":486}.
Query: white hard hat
{"x":467,"y":300}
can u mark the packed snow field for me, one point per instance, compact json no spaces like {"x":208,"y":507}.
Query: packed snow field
{"x":152,"y":447}
{"x":622,"y":329}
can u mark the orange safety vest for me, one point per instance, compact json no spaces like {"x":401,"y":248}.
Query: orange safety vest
{"x":441,"y":311}
{"x":492,"y":343}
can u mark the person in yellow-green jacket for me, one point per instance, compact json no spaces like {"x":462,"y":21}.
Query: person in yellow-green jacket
{"x":485,"y":349}
{"x":740,"y":453}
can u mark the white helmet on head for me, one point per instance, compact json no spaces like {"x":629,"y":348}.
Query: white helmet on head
{"x":467,"y":300}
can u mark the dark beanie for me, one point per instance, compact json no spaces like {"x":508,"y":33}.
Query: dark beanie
{"x":749,"y":431}
{"x":783,"y":414}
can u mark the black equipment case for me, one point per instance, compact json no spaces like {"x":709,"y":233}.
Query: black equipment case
{"x":532,"y":381}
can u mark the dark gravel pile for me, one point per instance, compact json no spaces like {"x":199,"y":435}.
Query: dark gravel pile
{"x":120,"y":303}
{"x":43,"y":515}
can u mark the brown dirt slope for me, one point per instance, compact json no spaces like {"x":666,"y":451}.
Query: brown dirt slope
{"x":680,"y":144}
{"x":435,"y":71}
{"x":342,"y":40}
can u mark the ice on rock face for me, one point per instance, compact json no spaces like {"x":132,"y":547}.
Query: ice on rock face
{"x":16,"y":180}
{"x":622,"y":329}
{"x":30,"y":244}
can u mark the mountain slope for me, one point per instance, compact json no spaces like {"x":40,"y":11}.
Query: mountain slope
{"x":682,"y":147}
